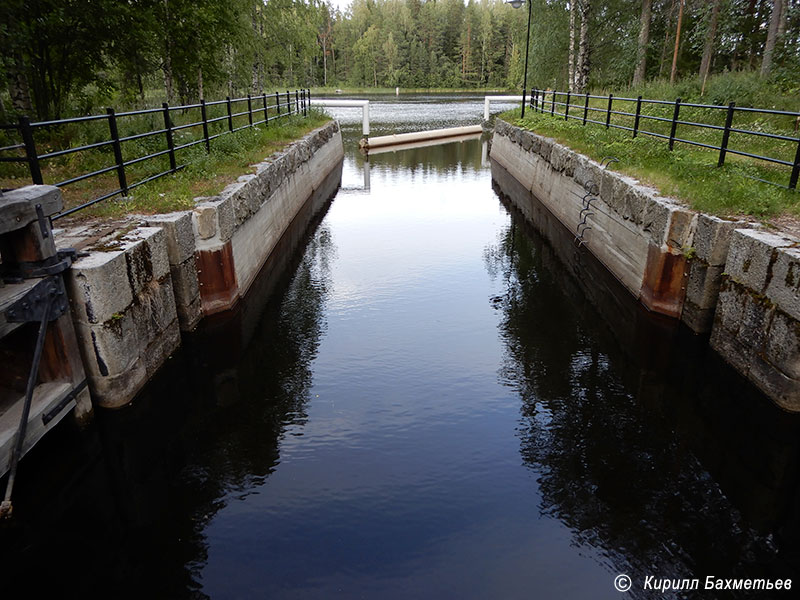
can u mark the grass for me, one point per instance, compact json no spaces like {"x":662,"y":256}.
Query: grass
{"x":688,"y":173}
{"x":205,"y":174}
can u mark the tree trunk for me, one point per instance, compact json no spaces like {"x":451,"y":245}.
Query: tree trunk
{"x":571,"y":74}
{"x":674,"y":70}
{"x":169,"y":83}
{"x":166,"y":64}
{"x":644,"y":40}
{"x":772,"y":37}
{"x":708,"y":50}
{"x":582,"y":76}
{"x":18,"y":87}
{"x":665,"y":47}
{"x":751,"y":61}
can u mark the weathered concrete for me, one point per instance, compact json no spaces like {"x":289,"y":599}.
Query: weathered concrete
{"x":642,"y":238}
{"x":757,"y":322}
{"x":728,"y":277}
{"x":123,"y":307}
{"x":180,"y":251}
{"x":146,"y":278}
{"x":236,"y":231}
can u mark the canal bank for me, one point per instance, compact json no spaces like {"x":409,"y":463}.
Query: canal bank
{"x":141,"y":281}
{"x":717,"y":276}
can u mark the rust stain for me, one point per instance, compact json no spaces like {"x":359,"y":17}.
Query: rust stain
{"x":664,"y":285}
{"x":219,"y":289}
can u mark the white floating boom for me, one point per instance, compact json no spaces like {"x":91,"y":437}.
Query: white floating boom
{"x":419,"y":136}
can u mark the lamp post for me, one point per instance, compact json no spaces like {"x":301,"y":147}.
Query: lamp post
{"x":517,"y":4}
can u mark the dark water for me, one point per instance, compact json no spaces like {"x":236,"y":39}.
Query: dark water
{"x":428,"y":398}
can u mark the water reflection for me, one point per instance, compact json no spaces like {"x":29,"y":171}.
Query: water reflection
{"x":424,"y":397}
{"x":644,"y":443}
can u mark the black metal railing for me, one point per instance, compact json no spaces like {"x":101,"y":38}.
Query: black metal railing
{"x":547,"y":100}
{"x":258,"y":109}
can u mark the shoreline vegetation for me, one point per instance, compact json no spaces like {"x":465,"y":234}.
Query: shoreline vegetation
{"x":205,"y":174}
{"x":687,"y":173}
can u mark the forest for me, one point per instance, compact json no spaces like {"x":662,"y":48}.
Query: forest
{"x":68,"y":57}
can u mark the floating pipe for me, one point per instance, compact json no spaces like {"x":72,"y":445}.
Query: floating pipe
{"x":420,"y":136}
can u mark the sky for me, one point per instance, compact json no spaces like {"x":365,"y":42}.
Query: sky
{"x":341,"y":4}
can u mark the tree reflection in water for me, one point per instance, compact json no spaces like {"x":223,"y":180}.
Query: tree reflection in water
{"x":633,"y":428}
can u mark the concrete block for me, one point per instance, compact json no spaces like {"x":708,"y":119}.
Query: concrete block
{"x":702,"y":288}
{"x":153,"y":311}
{"x":146,"y":256}
{"x":634,"y":202}
{"x":655,"y":221}
{"x":205,"y":220}
{"x":783,"y":287}
{"x":712,"y":238}
{"x":179,"y":234}
{"x":110,"y":348}
{"x":114,"y":391}
{"x":783,"y":345}
{"x":751,"y":256}
{"x":755,"y":320}
{"x":99,"y":287}
{"x":784,"y":390}
{"x":161,"y":347}
{"x":730,"y":306}
{"x":727,"y":345}
{"x":682,"y":225}
{"x":546,"y":148}
{"x":570,"y":161}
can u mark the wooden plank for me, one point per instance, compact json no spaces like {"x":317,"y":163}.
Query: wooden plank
{"x":45,"y":397}
{"x":18,"y":207}
{"x":9,"y":294}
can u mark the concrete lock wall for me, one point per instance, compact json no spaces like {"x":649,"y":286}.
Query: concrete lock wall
{"x":142,"y":280}
{"x":716,"y":275}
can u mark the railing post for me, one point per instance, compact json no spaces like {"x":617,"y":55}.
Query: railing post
{"x":726,"y":134}
{"x":296,"y":102}
{"x":204,"y":114}
{"x":566,"y":107}
{"x":638,"y":115}
{"x":608,"y":111}
{"x":170,"y":144}
{"x":553,"y":104}
{"x":230,"y":113}
{"x":586,"y":108}
{"x":530,"y":98}
{"x":266,"y":114}
{"x":795,"y":169}
{"x":30,"y":150}
{"x":112,"y":127}
{"x":523,"y":103}
{"x":277,"y":104}
{"x":308,"y":97}
{"x":250,"y":109}
{"x":674,"y":123}
{"x":534,"y":95}
{"x":288,"y":103}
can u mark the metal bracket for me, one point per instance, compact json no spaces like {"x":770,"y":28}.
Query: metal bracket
{"x":32,"y":306}
{"x":54,"y":412}
{"x":44,"y":225}
{"x":42,"y":268}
